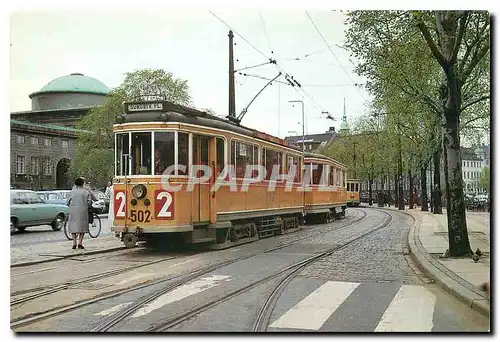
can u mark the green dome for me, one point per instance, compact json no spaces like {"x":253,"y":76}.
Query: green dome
{"x":74,"y":83}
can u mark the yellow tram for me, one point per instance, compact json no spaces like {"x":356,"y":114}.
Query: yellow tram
{"x":353,"y":192}
{"x":183,"y":173}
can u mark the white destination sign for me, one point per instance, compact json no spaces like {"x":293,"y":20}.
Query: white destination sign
{"x":145,"y":106}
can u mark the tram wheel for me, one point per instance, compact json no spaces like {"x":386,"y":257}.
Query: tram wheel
{"x":129,"y":240}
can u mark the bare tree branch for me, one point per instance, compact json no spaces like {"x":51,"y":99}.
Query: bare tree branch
{"x":461,"y":30}
{"x":476,"y":58}
{"x":428,"y":38}
{"x":482,"y":98}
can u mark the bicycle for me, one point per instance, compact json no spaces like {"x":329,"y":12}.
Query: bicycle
{"x":94,"y":227}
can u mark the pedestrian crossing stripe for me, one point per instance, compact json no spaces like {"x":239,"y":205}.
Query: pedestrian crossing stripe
{"x":411,"y":309}
{"x":314,"y":310}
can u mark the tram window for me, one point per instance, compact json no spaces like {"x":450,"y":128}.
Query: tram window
{"x":141,"y":153}
{"x":294,"y":161}
{"x":331,"y":175}
{"x":183,"y":152}
{"x":242,"y":155}
{"x":122,"y":154}
{"x":200,"y":150}
{"x":164,"y":151}
{"x":272,"y":158}
{"x":316,"y":178}
{"x":220,"y":155}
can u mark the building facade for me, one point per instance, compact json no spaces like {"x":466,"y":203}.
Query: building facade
{"x":43,"y":140}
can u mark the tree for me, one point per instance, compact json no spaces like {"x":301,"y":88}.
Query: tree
{"x":484,"y":181}
{"x":458,"y":51}
{"x":394,"y":55}
{"x":94,"y":154}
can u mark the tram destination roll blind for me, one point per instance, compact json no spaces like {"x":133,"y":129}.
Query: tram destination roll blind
{"x":139,"y":107}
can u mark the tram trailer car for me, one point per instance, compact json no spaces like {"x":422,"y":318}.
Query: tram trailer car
{"x":152,"y":135}
{"x":352,"y":196}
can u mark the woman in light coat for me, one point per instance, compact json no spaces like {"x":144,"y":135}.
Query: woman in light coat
{"x":78,"y":220}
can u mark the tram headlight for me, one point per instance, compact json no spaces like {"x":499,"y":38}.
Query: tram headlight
{"x":139,"y":191}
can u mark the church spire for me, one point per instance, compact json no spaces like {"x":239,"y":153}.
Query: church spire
{"x":344,"y":126}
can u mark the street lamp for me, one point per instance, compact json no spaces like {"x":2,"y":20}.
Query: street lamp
{"x":303,"y":133}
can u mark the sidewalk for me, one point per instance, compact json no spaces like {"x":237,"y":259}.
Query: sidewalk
{"x":428,"y":240}
{"x":42,"y":252}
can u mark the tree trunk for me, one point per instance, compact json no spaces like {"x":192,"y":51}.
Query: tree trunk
{"x":457,"y":226}
{"x":411,"y":189}
{"x":436,"y":191}
{"x":370,"y":198}
{"x":401,"y":203}
{"x":396,"y":201}
{"x":423,"y":185}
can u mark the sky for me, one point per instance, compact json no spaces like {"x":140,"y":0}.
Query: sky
{"x":193,"y":45}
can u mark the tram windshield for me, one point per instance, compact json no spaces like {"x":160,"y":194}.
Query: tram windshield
{"x":138,"y":154}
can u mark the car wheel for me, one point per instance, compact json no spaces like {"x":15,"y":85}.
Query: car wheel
{"x":12,"y":225}
{"x":58,"y":223}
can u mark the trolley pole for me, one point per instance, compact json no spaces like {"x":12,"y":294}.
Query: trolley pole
{"x":232,"y":105}
{"x":303,"y":131}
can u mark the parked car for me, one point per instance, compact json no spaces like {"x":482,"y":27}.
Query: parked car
{"x":52,"y":197}
{"x":27,"y":209}
{"x":102,"y":199}
{"x":64,"y":193}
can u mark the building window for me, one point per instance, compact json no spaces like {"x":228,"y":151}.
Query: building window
{"x":34,"y":140}
{"x":65,"y":144}
{"x":20,"y":139}
{"x":47,"y":169}
{"x":35,"y":169}
{"x":47,"y":142}
{"x":21,"y":165}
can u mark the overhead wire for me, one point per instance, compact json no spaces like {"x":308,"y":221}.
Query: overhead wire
{"x":335,"y":56}
{"x":270,"y":59}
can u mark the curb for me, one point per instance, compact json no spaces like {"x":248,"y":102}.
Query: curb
{"x":449,"y":283}
{"x":428,"y":265}
{"x":29,"y":263}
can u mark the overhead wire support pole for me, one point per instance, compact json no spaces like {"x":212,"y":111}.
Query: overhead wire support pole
{"x":245,"y":110}
{"x":232,"y":100}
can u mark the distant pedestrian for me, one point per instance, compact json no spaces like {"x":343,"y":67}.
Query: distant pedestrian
{"x":108,"y":191}
{"x":111,"y":209}
{"x":78,"y":221}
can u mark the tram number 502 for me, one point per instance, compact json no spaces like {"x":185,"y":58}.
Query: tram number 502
{"x":164,"y":205}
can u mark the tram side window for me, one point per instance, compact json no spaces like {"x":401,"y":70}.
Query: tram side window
{"x":331,"y":174}
{"x":141,"y":153}
{"x":356,"y":188}
{"x":242,"y":155}
{"x":272,"y":158}
{"x":183,"y":152}
{"x":316,"y":175}
{"x":122,"y":154}
{"x":220,"y":155}
{"x":164,"y":151}
{"x":294,"y":161}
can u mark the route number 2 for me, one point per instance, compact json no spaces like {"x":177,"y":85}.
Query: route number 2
{"x":164,"y":205}
{"x":120,"y":204}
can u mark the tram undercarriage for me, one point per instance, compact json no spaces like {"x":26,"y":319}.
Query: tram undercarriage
{"x":231,"y":233}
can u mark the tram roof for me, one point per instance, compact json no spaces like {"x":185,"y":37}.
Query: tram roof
{"x":166,"y":111}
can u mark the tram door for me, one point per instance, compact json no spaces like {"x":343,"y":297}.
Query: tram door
{"x":202,"y":146}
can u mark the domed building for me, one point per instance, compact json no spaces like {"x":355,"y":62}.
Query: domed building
{"x":43,"y":140}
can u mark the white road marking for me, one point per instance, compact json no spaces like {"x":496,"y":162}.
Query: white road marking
{"x":183,"y":262}
{"x":114,"y":309}
{"x":138,"y":276}
{"x":313,"y":311}
{"x":411,"y":309}
{"x":181,"y":293}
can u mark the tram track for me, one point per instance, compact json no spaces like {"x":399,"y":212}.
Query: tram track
{"x":171,"y":322}
{"x":179,"y":282}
